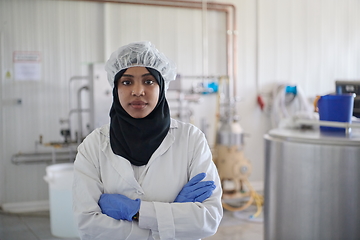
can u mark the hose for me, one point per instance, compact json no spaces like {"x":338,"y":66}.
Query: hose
{"x":254,"y":196}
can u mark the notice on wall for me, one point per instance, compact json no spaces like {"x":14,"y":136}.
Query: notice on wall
{"x":27,"y":66}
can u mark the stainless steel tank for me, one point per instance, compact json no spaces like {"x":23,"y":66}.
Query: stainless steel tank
{"x":312,"y":186}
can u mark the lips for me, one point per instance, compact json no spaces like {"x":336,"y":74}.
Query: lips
{"x":138,"y":104}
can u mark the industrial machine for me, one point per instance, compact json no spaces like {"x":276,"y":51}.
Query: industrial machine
{"x":312,"y":188}
{"x":233,"y":167}
{"x":345,"y":86}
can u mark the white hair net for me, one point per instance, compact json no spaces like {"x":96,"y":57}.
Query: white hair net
{"x":143,"y":54}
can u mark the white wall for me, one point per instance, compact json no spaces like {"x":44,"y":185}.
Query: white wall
{"x":68,"y":35}
{"x":2,"y":168}
{"x":310,"y":43}
{"x":304,"y":42}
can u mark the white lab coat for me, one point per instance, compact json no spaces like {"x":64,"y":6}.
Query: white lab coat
{"x":183,"y":154}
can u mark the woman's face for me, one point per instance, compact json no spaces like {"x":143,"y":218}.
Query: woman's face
{"x":138,"y":92}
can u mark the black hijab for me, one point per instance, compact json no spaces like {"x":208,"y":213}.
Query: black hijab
{"x":136,"y":139}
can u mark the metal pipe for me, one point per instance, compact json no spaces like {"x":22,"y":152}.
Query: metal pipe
{"x":231,"y":33}
{"x":345,"y":125}
{"x":200,"y":77}
{"x":327,"y":123}
{"x":79,"y":103}
{"x":75,"y":78}
{"x":231,"y":37}
{"x":167,"y":3}
{"x":205,"y":38}
{"x":257,"y":47}
{"x":91,"y":98}
{"x":78,"y":110}
{"x":43,"y":157}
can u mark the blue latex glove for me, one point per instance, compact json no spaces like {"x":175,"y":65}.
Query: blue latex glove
{"x":119,"y":206}
{"x":195,"y":190}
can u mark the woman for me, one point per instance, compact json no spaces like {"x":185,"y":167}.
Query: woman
{"x":141,"y":176}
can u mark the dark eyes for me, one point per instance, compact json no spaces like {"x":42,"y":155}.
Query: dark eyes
{"x":146,"y":82}
{"x":149,"y":82}
{"x":125,"y":82}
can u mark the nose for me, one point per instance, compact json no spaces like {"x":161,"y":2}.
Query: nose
{"x":137,"y":90}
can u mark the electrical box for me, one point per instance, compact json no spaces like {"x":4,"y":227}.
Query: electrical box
{"x":350,"y":87}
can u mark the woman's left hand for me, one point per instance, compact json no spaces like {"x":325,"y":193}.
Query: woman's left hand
{"x":196,"y":190}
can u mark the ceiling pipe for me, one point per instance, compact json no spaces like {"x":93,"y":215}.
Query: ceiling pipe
{"x":231,"y":26}
{"x":204,"y":15}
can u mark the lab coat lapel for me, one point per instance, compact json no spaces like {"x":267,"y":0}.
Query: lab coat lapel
{"x":166,"y":143}
{"x":121,"y":165}
{"x":164,"y":146}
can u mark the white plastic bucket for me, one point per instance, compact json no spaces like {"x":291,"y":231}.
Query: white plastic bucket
{"x":60,"y":178}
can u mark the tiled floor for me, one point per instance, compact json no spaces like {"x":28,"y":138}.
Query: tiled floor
{"x":234,"y":226}
{"x":34,"y":226}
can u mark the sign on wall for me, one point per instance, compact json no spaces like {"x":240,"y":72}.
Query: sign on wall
{"x":27,"y":65}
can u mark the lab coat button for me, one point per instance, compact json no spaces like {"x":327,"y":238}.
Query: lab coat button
{"x":139,"y":192}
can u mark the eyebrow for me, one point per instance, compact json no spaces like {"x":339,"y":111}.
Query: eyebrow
{"x":128,"y":75}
